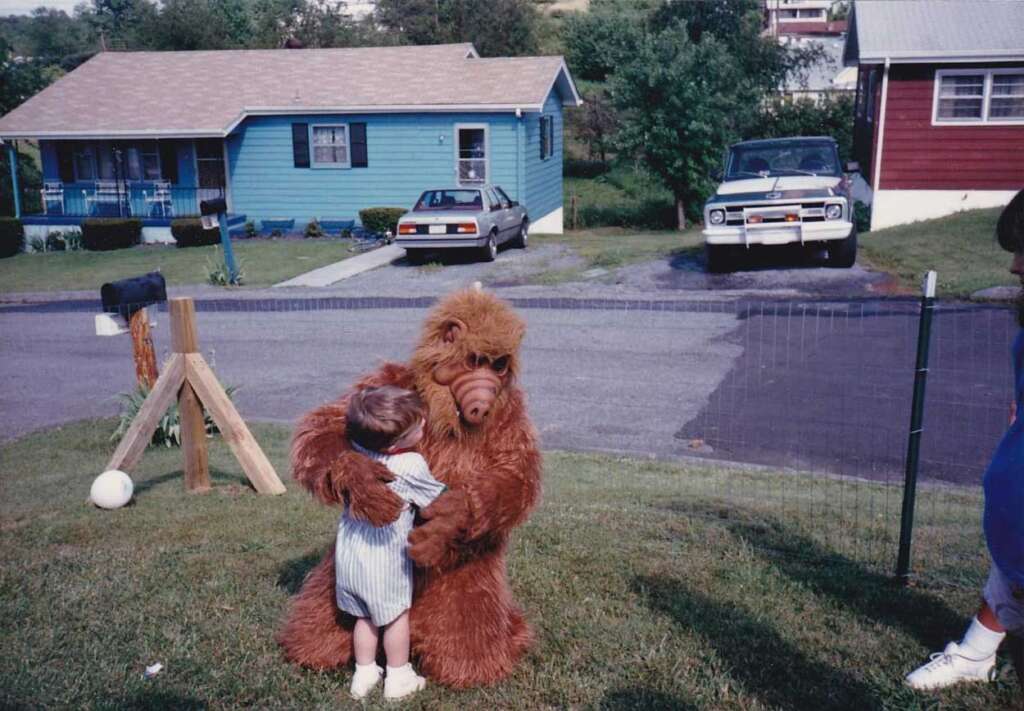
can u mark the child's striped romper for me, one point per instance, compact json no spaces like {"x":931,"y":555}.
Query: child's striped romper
{"x":373,"y":571}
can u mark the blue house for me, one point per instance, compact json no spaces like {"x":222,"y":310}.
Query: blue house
{"x":297,"y":134}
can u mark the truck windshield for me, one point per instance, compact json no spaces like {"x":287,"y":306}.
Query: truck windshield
{"x":789,"y":158}
{"x":449,"y":200}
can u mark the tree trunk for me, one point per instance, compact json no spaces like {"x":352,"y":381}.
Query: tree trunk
{"x":680,"y":213}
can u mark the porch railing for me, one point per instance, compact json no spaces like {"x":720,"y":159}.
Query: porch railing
{"x":110,"y":199}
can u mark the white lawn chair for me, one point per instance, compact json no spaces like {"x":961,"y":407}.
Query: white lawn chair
{"x":107,"y":199}
{"x":160,"y":197}
{"x":53,"y":194}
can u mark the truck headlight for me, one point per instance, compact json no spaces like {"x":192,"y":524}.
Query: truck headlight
{"x":833,"y":212}
{"x":716,"y":217}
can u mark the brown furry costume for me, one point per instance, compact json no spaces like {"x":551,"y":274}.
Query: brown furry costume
{"x":466,"y":628}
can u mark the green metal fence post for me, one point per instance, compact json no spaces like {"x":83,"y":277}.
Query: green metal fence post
{"x":225,"y":241}
{"x":12,"y":156}
{"x":916,"y":417}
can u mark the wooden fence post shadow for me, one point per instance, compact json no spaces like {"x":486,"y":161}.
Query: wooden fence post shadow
{"x":187,"y":377}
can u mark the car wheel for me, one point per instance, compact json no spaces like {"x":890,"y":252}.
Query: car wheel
{"x":523,"y":237}
{"x":719,"y":258}
{"x":415,"y":256}
{"x":842,"y":253}
{"x":490,"y":251}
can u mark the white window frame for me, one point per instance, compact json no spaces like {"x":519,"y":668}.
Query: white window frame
{"x":314,"y":163}
{"x":487,"y":154}
{"x":986,"y":98}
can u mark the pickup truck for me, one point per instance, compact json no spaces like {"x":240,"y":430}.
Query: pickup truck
{"x":781,"y":191}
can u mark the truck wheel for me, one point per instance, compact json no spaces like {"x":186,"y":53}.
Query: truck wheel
{"x":842,"y":253}
{"x":719,"y":258}
{"x":490,"y":250}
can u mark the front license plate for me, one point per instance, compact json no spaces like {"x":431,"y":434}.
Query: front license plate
{"x":438,"y":229}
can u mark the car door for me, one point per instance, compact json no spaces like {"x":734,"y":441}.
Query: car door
{"x":504,"y":215}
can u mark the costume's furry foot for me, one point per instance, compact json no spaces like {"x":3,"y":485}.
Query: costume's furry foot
{"x":316,"y":633}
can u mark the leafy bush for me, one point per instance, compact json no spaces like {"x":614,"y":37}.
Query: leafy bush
{"x":313,"y":229}
{"x":55,"y":242}
{"x":381,"y":219}
{"x":37,"y":245}
{"x":577,"y":168}
{"x":654,"y":214}
{"x":250,"y":229}
{"x":101,"y":234}
{"x":218,"y":274}
{"x":73,"y":240}
{"x":12,"y":237}
{"x":862,"y":216}
{"x":168,"y":430}
{"x":189,"y":232}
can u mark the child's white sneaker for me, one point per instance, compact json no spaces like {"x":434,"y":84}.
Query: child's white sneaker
{"x":950,"y":667}
{"x":402,"y":681}
{"x":367,"y":676}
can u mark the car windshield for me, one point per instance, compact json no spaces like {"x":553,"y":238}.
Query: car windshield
{"x":450,"y":200}
{"x":789,"y":158}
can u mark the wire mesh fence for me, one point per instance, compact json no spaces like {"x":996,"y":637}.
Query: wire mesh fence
{"x":797,"y":409}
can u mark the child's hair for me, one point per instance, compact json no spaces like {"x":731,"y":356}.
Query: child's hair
{"x":1010,"y":228}
{"x":377,"y":417}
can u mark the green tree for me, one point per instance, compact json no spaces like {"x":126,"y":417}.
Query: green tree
{"x":120,"y":24}
{"x":676,"y":114}
{"x":19,"y":80}
{"x":197,"y":24}
{"x":598,"y":39}
{"x":831,"y":116}
{"x":495,"y":27}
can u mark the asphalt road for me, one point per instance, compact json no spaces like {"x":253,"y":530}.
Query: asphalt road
{"x":815,"y":385}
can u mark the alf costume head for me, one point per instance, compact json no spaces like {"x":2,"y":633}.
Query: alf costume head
{"x":467,"y":356}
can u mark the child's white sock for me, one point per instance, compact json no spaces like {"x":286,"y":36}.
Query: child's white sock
{"x":979,"y":641}
{"x":366,"y":677}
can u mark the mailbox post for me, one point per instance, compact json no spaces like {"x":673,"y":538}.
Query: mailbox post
{"x":215,"y":214}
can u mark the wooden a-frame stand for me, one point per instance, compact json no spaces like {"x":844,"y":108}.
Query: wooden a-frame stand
{"x":187,"y":377}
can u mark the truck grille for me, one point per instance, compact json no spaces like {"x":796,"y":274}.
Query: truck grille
{"x":734,"y":213}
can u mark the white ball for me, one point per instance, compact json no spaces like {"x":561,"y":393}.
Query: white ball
{"x":112,"y":489}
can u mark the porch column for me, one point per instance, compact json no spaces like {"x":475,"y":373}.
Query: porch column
{"x":13,"y":158}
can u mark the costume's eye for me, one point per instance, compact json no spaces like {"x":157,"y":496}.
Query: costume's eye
{"x":500,"y":365}
{"x":473,"y":361}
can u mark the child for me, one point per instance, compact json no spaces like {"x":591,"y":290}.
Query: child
{"x":373,"y":568}
{"x":1002,"y":609}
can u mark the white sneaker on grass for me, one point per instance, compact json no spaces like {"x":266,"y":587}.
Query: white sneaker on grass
{"x":364,"y":680}
{"x":950,"y":667}
{"x":402,"y":681}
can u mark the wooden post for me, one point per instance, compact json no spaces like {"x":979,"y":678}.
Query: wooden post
{"x":184,"y":340}
{"x":142,"y":349}
{"x":572,"y":210}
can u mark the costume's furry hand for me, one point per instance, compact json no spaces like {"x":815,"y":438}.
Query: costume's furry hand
{"x":366,"y":494}
{"x":435,"y":544}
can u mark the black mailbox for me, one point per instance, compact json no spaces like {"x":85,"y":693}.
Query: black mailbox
{"x":127,"y":296}
{"x":213,"y":207}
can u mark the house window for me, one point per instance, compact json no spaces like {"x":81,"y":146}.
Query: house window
{"x":471,"y":154}
{"x":85,"y":163}
{"x":979,"y":96}
{"x":142,"y":161}
{"x":330,"y":146}
{"x":547,"y":137}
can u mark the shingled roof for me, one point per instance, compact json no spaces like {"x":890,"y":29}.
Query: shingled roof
{"x":208,"y":93}
{"x":935,"y":31}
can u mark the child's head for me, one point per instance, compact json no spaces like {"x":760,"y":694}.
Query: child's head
{"x":385,"y":418}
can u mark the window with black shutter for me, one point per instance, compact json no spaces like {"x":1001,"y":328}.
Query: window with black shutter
{"x":168,"y":161}
{"x":547,"y":137}
{"x":357,"y":138}
{"x":300,"y":144}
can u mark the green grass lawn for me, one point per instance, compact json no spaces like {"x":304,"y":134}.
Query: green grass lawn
{"x":650,"y":586}
{"x":263,"y":262}
{"x":962,"y":248}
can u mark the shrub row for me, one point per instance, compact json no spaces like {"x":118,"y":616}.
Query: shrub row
{"x":189,"y":232}
{"x":101,"y":234}
{"x":12,"y":237}
{"x":381,"y":219}
{"x":578,"y":168}
{"x":653,"y":214}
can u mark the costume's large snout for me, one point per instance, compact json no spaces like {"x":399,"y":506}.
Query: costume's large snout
{"x":474,"y":390}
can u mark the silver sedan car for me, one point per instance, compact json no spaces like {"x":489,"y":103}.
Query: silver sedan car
{"x":478,"y":218}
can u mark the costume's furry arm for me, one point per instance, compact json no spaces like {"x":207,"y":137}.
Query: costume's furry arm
{"x":497,"y":500}
{"x":323,"y":462}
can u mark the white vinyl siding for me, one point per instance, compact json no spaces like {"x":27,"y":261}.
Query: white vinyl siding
{"x":978,"y":96}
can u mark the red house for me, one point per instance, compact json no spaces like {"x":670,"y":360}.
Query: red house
{"x":939,"y":124}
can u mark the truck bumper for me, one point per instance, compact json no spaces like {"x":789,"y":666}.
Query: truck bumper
{"x":799,"y":233}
